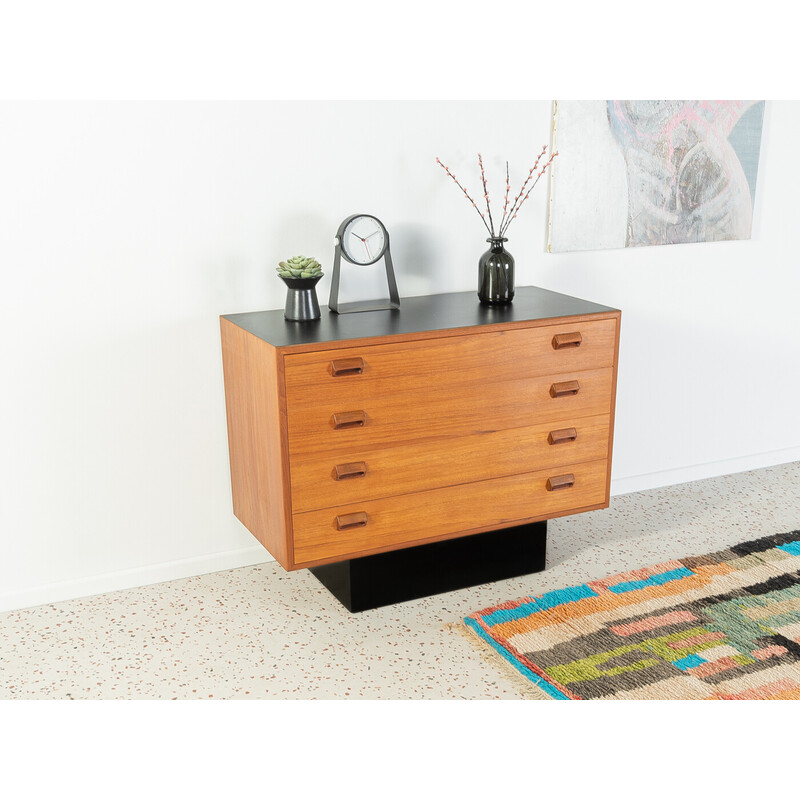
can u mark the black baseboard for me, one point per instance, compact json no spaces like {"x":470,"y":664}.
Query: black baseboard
{"x":386,"y":578}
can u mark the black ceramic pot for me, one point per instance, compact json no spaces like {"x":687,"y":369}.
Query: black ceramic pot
{"x":301,"y":299}
{"x":496,"y":274}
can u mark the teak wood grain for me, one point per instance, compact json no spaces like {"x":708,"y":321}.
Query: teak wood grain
{"x":401,"y":416}
{"x":441,"y":462}
{"x":480,"y":358}
{"x":442,"y":434}
{"x":441,"y":513}
{"x":257,"y":445}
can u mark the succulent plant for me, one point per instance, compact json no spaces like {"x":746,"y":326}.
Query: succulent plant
{"x":299,"y":267}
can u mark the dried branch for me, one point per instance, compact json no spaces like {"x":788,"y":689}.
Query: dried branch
{"x":466,"y":194}
{"x":514,"y":205}
{"x":486,"y":195}
{"x":505,"y":203}
{"x":538,"y":176}
{"x":519,"y":200}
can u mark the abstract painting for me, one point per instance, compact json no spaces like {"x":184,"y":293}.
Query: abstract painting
{"x":632,"y":173}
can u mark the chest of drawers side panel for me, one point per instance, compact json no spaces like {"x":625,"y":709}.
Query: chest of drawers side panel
{"x":257,"y":439}
{"x":618,"y":316}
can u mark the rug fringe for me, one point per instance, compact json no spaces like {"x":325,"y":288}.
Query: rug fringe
{"x":527,"y":689}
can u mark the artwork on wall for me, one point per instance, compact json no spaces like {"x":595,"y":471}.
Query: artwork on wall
{"x":633,"y":173}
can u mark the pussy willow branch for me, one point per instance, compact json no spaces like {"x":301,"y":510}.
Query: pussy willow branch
{"x":538,"y":176}
{"x":519,"y":200}
{"x":505,"y":203}
{"x":486,"y":194}
{"x":514,"y":205}
{"x":466,"y":194}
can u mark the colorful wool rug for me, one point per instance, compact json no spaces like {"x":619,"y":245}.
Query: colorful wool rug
{"x":724,"y":626}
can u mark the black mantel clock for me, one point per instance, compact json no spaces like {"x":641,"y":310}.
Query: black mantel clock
{"x":362,"y":240}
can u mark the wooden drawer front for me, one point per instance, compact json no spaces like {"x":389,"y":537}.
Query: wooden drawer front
{"x":396,"y":419}
{"x":439,"y":513}
{"x":476,"y":360}
{"x":353,"y":475}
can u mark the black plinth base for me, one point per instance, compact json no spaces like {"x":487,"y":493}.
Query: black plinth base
{"x":387,"y":578}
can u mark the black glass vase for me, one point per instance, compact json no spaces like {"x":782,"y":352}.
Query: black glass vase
{"x":496,"y":274}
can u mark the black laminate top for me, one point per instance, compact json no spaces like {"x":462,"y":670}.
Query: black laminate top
{"x":434,"y":312}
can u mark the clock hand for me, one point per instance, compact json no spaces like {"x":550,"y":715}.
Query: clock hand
{"x":356,"y":235}
{"x":372,"y":234}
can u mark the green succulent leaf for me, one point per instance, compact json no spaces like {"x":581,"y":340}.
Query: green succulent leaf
{"x":299,"y":267}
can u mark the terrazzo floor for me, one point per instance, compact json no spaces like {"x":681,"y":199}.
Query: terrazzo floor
{"x":259,"y":632}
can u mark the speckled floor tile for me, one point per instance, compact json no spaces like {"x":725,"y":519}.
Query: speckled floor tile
{"x":259,"y":632}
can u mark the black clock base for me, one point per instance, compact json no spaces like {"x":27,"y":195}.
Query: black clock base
{"x":387,"y":578}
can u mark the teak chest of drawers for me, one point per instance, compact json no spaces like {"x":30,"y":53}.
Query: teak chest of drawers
{"x":361,"y":434}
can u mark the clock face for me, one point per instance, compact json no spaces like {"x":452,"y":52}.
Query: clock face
{"x":364,"y":240}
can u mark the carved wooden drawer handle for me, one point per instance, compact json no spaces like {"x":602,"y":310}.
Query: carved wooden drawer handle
{"x":357,"y":520}
{"x":562,"y":340}
{"x":564,"y":389}
{"x":349,"y":419}
{"x":347,"y":366}
{"x":560,"y":482}
{"x":562,"y":435}
{"x":357,"y":469}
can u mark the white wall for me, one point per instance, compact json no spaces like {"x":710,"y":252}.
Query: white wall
{"x":126,"y":229}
